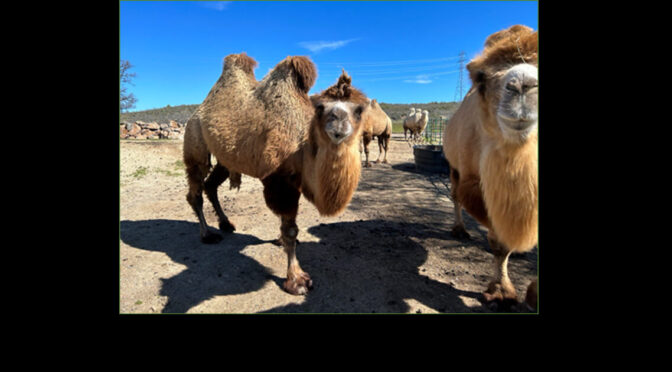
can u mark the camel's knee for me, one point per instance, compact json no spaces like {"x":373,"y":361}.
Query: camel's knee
{"x":195,"y":199}
{"x":289,"y":229}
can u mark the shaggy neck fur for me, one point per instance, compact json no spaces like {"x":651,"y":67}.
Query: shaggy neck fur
{"x":330,"y":173}
{"x":509,"y":185}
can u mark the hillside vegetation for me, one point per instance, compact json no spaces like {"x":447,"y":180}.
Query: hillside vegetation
{"x":182,"y":113}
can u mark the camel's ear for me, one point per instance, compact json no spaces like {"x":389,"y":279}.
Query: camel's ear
{"x":319,"y":108}
{"x":305,"y":71}
{"x":477,"y":76}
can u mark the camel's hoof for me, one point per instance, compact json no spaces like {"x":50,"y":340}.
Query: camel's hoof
{"x":367,"y":165}
{"x":298,"y":285}
{"x":211,"y":238}
{"x":499,"y":298}
{"x":385,"y":161}
{"x":377,"y":161}
{"x":459,"y":232}
{"x":226,"y":227}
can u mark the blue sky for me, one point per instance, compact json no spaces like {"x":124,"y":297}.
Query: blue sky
{"x":395,"y":51}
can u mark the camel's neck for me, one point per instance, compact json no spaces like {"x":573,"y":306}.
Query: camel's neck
{"x":330,"y":175}
{"x":509,"y":180}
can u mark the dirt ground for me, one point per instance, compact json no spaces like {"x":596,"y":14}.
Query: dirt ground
{"x":390,"y":252}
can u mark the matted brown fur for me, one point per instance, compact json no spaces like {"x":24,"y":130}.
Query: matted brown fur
{"x":473,"y":144}
{"x":253,"y":127}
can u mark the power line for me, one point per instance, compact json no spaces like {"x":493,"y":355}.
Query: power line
{"x":459,"y":89}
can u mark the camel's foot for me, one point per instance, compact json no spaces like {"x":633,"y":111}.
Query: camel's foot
{"x":384,"y":161}
{"x":298,"y":284}
{"x":460,"y":232}
{"x":531,"y":296}
{"x":501,"y":297}
{"x":226,"y":226}
{"x":367,"y":165}
{"x":211,"y":238}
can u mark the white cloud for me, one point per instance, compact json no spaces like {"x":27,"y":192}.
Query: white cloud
{"x":420,"y":79}
{"x":216,"y":5}
{"x":316,"y":46}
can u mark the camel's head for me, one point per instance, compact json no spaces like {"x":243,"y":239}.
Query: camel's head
{"x":505,"y":75}
{"x":338,"y":121}
{"x":339,"y":110}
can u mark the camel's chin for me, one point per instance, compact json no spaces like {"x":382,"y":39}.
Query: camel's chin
{"x":516,"y":129}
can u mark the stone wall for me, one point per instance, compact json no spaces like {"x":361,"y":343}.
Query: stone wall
{"x":153,"y":130}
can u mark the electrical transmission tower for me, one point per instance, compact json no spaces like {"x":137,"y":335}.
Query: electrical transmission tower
{"x":459,"y":89}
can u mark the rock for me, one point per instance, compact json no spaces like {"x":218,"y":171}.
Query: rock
{"x":141,"y":123}
{"x":153,"y":126}
{"x":164,"y":134}
{"x":135,"y":129}
{"x":164,"y":126}
{"x":124,"y":132}
{"x":128,"y":125}
{"x":174,"y":124}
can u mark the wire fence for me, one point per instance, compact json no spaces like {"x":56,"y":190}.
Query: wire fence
{"x":433,"y":133}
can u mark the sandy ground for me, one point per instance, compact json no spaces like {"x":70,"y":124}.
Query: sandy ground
{"x":390,"y":252}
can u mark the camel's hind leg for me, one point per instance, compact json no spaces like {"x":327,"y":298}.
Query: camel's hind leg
{"x":196,"y":173}
{"x":282,"y":197}
{"x":218,"y":175}
{"x":383,"y":144}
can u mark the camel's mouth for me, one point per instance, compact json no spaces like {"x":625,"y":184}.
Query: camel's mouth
{"x":337,"y":136}
{"x":517,"y":124}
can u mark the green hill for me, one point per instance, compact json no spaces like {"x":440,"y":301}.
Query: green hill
{"x":181,"y":113}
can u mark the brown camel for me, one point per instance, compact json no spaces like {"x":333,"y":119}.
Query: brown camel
{"x":376,"y":123}
{"x":271,"y":130}
{"x":491,"y":146}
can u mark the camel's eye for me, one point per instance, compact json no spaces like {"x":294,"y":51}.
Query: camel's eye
{"x":511,"y":87}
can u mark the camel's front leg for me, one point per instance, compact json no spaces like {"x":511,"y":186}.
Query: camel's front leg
{"x":500,"y":289}
{"x":298,"y":281}
{"x":367,"y":139}
{"x":281,"y":193}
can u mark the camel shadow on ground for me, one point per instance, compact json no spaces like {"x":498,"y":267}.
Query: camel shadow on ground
{"x":212,"y":269}
{"x":375,"y":275}
{"x":373,"y":267}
